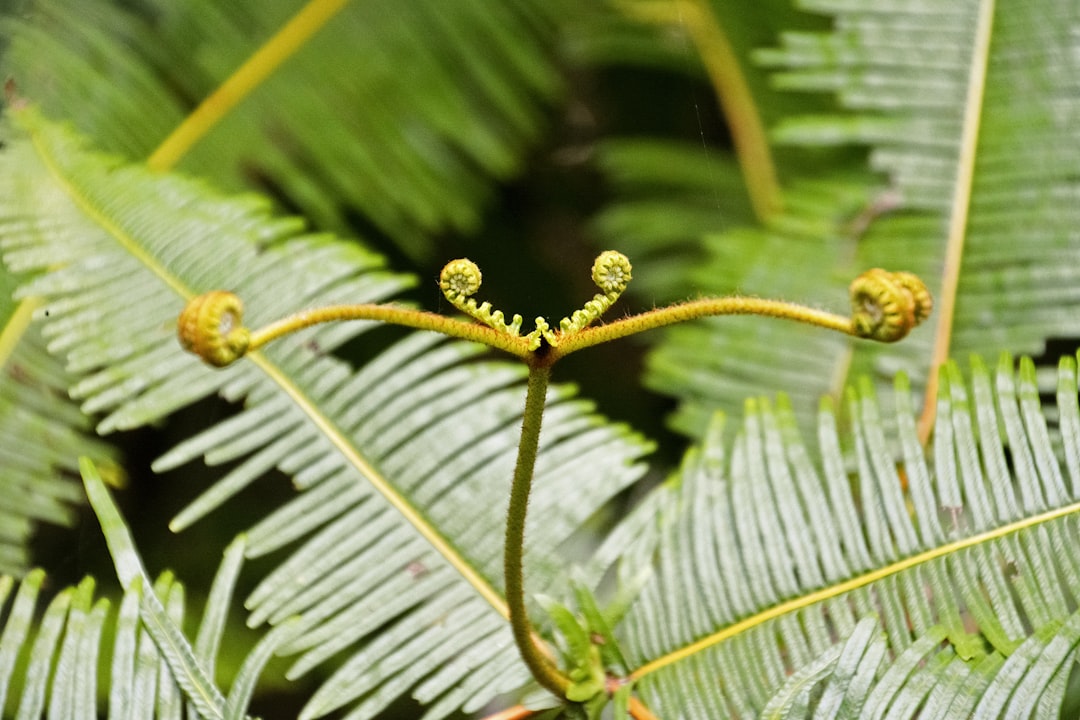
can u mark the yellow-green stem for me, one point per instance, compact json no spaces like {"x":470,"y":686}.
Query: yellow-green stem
{"x":697,"y":309}
{"x":740,"y":108}
{"x":395,"y":315}
{"x":285,"y":43}
{"x":539,"y":664}
{"x":885,"y":307}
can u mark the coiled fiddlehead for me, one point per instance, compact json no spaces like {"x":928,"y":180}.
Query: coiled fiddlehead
{"x":459,"y":280}
{"x":885,"y":306}
{"x":611,"y":272}
{"x":211,"y":326}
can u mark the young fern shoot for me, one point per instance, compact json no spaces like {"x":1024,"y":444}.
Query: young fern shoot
{"x":885,"y":306}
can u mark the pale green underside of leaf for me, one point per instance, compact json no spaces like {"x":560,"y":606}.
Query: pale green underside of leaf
{"x":60,"y":661}
{"x":429,"y":102}
{"x":986,"y":630}
{"x":43,"y":435}
{"x":423,"y":425}
{"x":901,"y":70}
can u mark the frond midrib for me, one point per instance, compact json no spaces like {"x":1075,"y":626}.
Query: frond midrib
{"x":837,"y":589}
{"x":273,"y":372}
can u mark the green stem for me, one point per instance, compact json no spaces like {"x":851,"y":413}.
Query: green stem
{"x":692,"y":310}
{"x":538,"y":662}
{"x":395,"y":315}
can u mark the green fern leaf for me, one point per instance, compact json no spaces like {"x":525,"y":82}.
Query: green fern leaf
{"x":52,"y":663}
{"x":960,"y":108}
{"x":43,"y":434}
{"x":391,"y":465}
{"x":428,"y":102}
{"x":163,"y":629}
{"x":803,"y":589}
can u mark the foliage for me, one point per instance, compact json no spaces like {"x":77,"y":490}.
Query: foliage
{"x":944,"y":101}
{"x":43,"y":436}
{"x":914,"y":559}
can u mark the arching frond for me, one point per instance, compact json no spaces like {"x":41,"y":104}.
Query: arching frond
{"x":43,"y":432}
{"x":977,"y":135}
{"x":791,"y":588}
{"x":58,"y":660}
{"x":404,"y":112}
{"x":963,"y":109}
{"x":399,"y":459}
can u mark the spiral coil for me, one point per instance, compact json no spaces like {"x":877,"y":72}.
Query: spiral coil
{"x":612,"y":273}
{"x":886,"y":306}
{"x":211,"y":326}
{"x":459,"y":280}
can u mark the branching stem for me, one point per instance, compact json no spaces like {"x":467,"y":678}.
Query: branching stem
{"x":539,"y":664}
{"x":885,"y":307}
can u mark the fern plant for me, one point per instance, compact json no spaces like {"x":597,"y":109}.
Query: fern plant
{"x":912,"y":560}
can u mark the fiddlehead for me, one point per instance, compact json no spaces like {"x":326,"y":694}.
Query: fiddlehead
{"x":612,"y":273}
{"x":211,"y":326}
{"x":459,"y":280}
{"x":885,"y":306}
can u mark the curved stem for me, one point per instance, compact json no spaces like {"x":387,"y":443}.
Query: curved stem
{"x":395,"y":315}
{"x":693,"y":309}
{"x":733,"y":94}
{"x":539,"y":664}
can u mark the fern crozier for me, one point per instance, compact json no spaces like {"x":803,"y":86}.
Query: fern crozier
{"x":612,"y":271}
{"x":459,"y":280}
{"x":924,"y":303}
{"x":461,"y":277}
{"x":211,"y":326}
{"x":886,"y":306}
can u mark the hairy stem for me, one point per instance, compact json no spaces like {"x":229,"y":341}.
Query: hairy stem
{"x":539,"y":664}
{"x":395,"y":315}
{"x":692,"y":310}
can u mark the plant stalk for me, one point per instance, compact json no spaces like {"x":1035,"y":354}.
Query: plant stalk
{"x":538,"y":662}
{"x":692,"y":310}
{"x":395,"y":315}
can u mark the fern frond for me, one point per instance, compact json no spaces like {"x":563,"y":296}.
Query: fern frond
{"x":404,"y":112}
{"x":133,"y":109}
{"x":53,"y":661}
{"x":766,"y":563}
{"x":965,"y":135}
{"x":959,"y":113}
{"x":398,"y":460}
{"x":43,"y":434}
